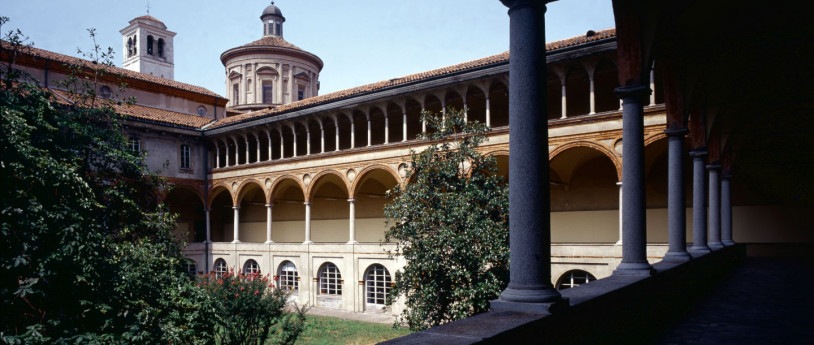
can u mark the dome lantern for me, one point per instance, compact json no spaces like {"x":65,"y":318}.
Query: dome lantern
{"x":272,"y":19}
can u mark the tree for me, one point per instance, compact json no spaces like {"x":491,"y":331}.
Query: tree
{"x":450,"y":223}
{"x":87,"y":253}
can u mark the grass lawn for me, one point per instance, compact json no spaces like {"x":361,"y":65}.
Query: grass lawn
{"x":329,"y":331}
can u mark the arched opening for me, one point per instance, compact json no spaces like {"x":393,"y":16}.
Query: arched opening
{"x":288,"y":277}
{"x":330,"y":133}
{"x":574,"y":278}
{"x":503,"y":166}
{"x":288,"y":141}
{"x":413,"y":119}
{"x":161,"y":47}
{"x":499,"y":104}
{"x":251,"y":268}
{"x":150,"y":44}
{"x":376,"y":126}
{"x":370,"y":199}
{"x":288,"y":212}
{"x":252,"y":141}
{"x":316,"y":135}
{"x":329,"y":210}
{"x":221,"y":215}
{"x":276,"y":151}
{"x":360,"y":129}
{"x":395,"y":124}
{"x":605,"y":81}
{"x":658,"y":81}
{"x":476,"y":104}
{"x":329,"y":286}
{"x":577,"y":91}
{"x":220,"y":268}
{"x":190,"y":226}
{"x":265,"y":154}
{"x":345,"y":130}
{"x":553,"y":96}
{"x":454,"y":100}
{"x":433,"y":105}
{"x":302,"y":139}
{"x":252,"y":227}
{"x":655,"y":160}
{"x":584,"y":197}
{"x":241,"y":157}
{"x":377,"y":286}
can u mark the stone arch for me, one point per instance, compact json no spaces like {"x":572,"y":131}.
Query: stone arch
{"x":591,"y":145}
{"x":195,"y":189}
{"x":502,"y":157}
{"x":213,"y":192}
{"x":316,"y":179}
{"x":241,"y":190}
{"x":362,"y":174}
{"x":654,"y":138}
{"x":188,"y":203}
{"x":280,"y":180}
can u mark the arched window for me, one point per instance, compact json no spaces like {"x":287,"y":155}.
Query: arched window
{"x":129,"y":46}
{"x":160,"y":47}
{"x":330,"y":280}
{"x":135,"y":44}
{"x":574,"y":278}
{"x":288,"y":278}
{"x":105,"y":92}
{"x":377,"y":284}
{"x":251,"y":267}
{"x":150,"y":44}
{"x":201,"y":111}
{"x":192,"y":267}
{"x":220,"y":268}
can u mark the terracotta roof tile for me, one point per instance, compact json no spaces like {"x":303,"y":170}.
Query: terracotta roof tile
{"x":141,"y":112}
{"x":45,"y":54}
{"x":503,"y":57}
{"x":271,"y":41}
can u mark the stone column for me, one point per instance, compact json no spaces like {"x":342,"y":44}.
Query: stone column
{"x":268,"y":223}
{"x":676,"y":198}
{"x":386,"y":129}
{"x":294,"y":134}
{"x":217,"y":155}
{"x":226,"y":158}
{"x":352,"y":221}
{"x":208,"y":226}
{"x":336,"y":139}
{"x":564,"y":103}
{"x":714,"y":242}
{"x":246,"y":139}
{"x":593,"y":96}
{"x":307,"y":140}
{"x":530,"y":288}
{"x":352,"y":133}
{"x":699,"y":206}
{"x":321,"y":138}
{"x":621,"y":218}
{"x":404,"y":125}
{"x":726,"y":210}
{"x":307,"y":222}
{"x":257,"y":142}
{"x":423,"y":123}
{"x":282,"y":143}
{"x":236,"y":224}
{"x":268,"y":134}
{"x":653,"y":86}
{"x":634,"y":227}
{"x":488,"y":112}
{"x":368,"y":131}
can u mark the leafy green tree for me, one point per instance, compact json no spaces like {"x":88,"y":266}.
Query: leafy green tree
{"x":450,"y":223}
{"x":87,"y":254}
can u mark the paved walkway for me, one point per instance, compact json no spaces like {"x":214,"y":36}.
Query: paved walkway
{"x":384,"y":318}
{"x":765,"y":301}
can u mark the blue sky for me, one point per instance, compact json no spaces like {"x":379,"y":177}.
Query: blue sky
{"x":360,"y":41}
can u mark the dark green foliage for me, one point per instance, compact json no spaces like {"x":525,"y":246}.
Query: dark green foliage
{"x":251,"y":310}
{"x":451,"y":226}
{"x":86,"y":254}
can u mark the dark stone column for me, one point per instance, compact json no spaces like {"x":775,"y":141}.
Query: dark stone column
{"x":726,"y":210}
{"x":699,"y":204}
{"x":530,"y":289}
{"x":634,"y":241}
{"x":676,"y":198}
{"x":714,"y":207}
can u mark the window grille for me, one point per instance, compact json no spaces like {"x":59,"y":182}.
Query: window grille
{"x":377,"y":284}
{"x":287,"y":277}
{"x":330,"y":280}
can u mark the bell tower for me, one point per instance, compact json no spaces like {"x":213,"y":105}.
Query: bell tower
{"x":147,"y":47}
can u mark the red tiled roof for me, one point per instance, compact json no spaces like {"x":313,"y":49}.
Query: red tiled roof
{"x":503,"y":57}
{"x":49,"y":55}
{"x":149,"y":17}
{"x":146,"y":113}
{"x":273,"y":41}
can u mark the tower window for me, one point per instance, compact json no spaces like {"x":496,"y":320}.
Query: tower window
{"x":268,"y":92}
{"x":235,"y":94}
{"x":185,"y":153}
{"x":270,"y":27}
{"x":280,"y":29}
{"x":160,"y":47}
{"x":150,"y":45}
{"x":129,"y":46}
{"x":135,"y":44}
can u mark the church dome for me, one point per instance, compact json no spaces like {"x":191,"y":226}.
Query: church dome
{"x":272,"y":10}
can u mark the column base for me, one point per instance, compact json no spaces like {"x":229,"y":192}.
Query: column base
{"x":728,"y":243}
{"x":308,"y":242}
{"x":352,"y":242}
{"x":715,"y":245}
{"x":699,"y":251}
{"x":269,"y":242}
{"x":677,"y":257}
{"x":235,"y":241}
{"x":618,"y":243}
{"x":634,"y":269}
{"x":530,"y":301}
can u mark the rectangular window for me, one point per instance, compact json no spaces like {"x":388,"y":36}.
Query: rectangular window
{"x":268,"y":91}
{"x":185,"y":153}
{"x":235,"y":94}
{"x":279,"y":30}
{"x":300,"y":94}
{"x":135,"y":145}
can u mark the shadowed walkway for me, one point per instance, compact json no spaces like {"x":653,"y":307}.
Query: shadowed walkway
{"x":764,"y":301}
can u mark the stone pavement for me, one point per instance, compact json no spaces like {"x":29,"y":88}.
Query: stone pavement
{"x":765,"y":301}
{"x":384,"y":318}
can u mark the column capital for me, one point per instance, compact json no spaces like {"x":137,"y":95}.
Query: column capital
{"x":306,"y":203}
{"x":352,"y":200}
{"x":270,"y":204}
{"x":512,"y":4}
{"x":619,"y":183}
{"x":714,"y":166}
{"x":726,"y":176}
{"x":632,"y":91}
{"x":235,"y":208}
{"x":699,"y":153}
{"x":676,"y":132}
